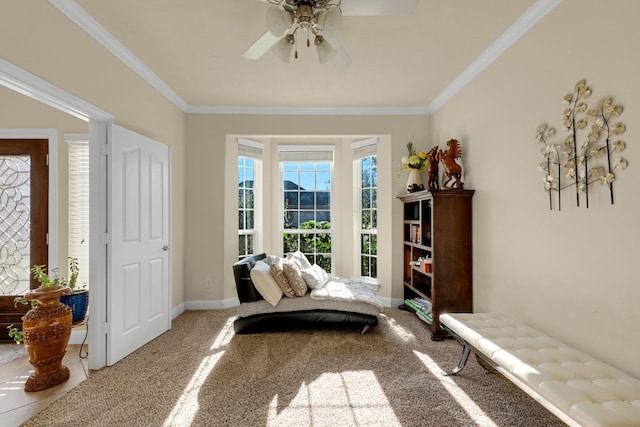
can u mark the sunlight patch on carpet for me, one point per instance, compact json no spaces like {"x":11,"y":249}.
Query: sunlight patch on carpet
{"x":466,"y":403}
{"x":187,"y":407}
{"x":401,"y":332}
{"x":345,"y":398}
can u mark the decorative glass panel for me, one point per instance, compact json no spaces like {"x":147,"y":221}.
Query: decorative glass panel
{"x":15,"y":224}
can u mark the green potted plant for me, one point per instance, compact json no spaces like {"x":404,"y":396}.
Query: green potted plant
{"x":78,"y":299}
{"x":46,"y":329}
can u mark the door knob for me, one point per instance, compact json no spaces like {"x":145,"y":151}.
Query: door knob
{"x":165,"y":248}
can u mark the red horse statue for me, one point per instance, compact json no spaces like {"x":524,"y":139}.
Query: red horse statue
{"x":452,"y":170}
{"x":432,"y":171}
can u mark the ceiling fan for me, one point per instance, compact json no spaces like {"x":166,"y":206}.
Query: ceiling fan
{"x":320,"y":19}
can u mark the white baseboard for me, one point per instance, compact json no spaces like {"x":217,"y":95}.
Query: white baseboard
{"x":78,"y":335}
{"x":211,"y":305}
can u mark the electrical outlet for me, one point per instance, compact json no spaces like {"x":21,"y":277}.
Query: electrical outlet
{"x":208,"y":283}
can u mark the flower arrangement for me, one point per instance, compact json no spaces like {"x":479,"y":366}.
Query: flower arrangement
{"x":414,"y":160}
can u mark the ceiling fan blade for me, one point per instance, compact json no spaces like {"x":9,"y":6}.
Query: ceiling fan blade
{"x":261,"y":46}
{"x":377,"y":7}
{"x":342,"y":58}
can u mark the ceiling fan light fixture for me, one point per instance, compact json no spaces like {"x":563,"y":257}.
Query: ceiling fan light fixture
{"x":326,"y":52}
{"x":278,"y":21}
{"x":331,"y":22}
{"x":282,"y":49}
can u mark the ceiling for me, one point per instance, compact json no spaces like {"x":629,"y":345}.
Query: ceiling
{"x":195,"y":48}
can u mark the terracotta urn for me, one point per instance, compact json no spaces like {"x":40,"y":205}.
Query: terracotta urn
{"x":46,"y":329}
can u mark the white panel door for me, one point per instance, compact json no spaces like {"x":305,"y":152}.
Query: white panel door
{"x":138,"y":288}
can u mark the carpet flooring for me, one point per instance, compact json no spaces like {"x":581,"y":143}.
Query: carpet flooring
{"x":201,"y":374}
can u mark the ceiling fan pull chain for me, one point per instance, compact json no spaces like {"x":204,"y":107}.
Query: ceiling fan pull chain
{"x":308,"y":41}
{"x":296,"y":54}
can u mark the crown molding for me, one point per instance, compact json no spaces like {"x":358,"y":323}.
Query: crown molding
{"x":309,"y":111}
{"x":528,"y":19}
{"x":22,"y":81}
{"x":82,"y":19}
{"x":523,"y":24}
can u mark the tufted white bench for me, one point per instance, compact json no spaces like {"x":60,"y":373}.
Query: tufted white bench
{"x":577,"y":388}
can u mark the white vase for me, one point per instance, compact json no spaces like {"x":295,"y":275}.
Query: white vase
{"x":414,"y":182}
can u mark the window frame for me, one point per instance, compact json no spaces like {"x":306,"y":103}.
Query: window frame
{"x":252,"y":150}
{"x":316,"y":153}
{"x":362,"y":150}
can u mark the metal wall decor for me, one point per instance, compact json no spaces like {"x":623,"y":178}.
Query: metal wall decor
{"x":588,"y":154}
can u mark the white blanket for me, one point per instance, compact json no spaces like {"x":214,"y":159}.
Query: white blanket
{"x":337,"y":289}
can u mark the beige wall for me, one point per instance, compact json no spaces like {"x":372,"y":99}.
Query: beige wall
{"x":38,"y":38}
{"x":212,"y":249}
{"x":570,"y":273}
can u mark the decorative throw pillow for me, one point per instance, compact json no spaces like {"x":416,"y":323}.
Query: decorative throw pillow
{"x":265,"y":283}
{"x":294,"y":276}
{"x":277,"y":271}
{"x":315,"y":277}
{"x":300,"y":259}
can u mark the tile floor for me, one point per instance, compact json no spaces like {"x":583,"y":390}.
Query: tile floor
{"x":16,"y":405}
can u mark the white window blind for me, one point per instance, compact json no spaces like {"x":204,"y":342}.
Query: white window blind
{"x":365,"y":148}
{"x":78,"y":207}
{"x":306,"y":153}
{"x":249,"y":148}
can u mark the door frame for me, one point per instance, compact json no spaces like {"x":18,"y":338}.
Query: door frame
{"x":32,"y":86}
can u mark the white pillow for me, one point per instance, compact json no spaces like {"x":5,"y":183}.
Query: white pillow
{"x":265,"y":283}
{"x":315,"y":276}
{"x":300,"y":259}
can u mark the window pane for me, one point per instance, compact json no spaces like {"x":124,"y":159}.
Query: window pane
{"x":305,"y":217}
{"x":248,"y":199}
{"x":323,"y":181}
{"x":291,"y":166}
{"x":324,"y":216}
{"x":291,"y":181}
{"x":366,"y":220}
{"x":290,"y":243}
{"x":307,"y":200}
{"x":241,"y":220}
{"x":249,"y":220}
{"x":307,"y":244}
{"x":307,"y":181}
{"x":291,"y":200}
{"x":291,"y":220}
{"x":366,"y":199}
{"x":307,"y":166}
{"x":323,"y":200}
{"x":250,"y":249}
{"x":242,"y":251}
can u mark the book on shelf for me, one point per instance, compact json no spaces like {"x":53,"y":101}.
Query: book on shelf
{"x":414,"y":236}
{"x":419,"y":304}
{"x":421,"y":307}
{"x":425,"y":317}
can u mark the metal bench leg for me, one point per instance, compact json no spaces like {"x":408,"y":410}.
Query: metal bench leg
{"x":462,"y":362}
